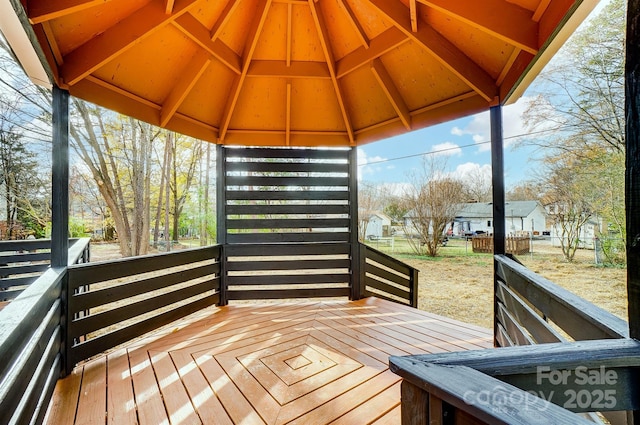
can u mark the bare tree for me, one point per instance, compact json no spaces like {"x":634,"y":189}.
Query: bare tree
{"x":369,"y":202}
{"x":432,"y":205}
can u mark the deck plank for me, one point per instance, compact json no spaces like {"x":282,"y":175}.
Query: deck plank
{"x":271,"y":363}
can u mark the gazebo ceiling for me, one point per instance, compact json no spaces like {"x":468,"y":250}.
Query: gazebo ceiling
{"x":296,"y":72}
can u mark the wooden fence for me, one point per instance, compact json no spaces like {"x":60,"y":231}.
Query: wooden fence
{"x":516,"y":245}
{"x":385,"y":277}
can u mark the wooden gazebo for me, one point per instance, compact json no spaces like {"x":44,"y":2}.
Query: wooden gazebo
{"x":299,"y":84}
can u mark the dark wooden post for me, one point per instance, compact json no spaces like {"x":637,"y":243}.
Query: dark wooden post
{"x":499,"y":232}
{"x":60,"y":179}
{"x":357,"y":283}
{"x":632,"y":174}
{"x":221,"y":217}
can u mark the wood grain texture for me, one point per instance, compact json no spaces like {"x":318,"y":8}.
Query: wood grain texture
{"x":308,"y":362}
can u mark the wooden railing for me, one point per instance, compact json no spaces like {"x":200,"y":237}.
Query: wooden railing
{"x":31,"y":338}
{"x":386,"y":277}
{"x":24,"y":261}
{"x":558,"y":346}
{"x":516,"y":245}
{"x":126,"y":298}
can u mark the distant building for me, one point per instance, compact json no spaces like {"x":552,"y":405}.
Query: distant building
{"x":586,"y":239}
{"x":521,"y":217}
{"x":379,"y":226}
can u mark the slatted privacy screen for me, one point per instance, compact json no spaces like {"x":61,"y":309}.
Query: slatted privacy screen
{"x":287,"y":215}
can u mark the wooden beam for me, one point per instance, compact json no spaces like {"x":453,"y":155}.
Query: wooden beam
{"x":168,"y":6}
{"x":287,"y":125}
{"x":542,"y":7}
{"x":296,"y":69}
{"x":118,"y":39}
{"x":45,"y":10}
{"x":188,"y":78}
{"x":501,"y":19}
{"x":388,"y":40}
{"x":413,"y":10}
{"x":253,"y":32}
{"x":390,"y":89}
{"x":328,"y":53}
{"x":289,"y":32}
{"x":441,"y":48}
{"x":200,"y":34}
{"x":355,"y":23}
{"x":223,"y":19}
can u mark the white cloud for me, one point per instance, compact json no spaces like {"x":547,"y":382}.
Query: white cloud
{"x":368,"y":165}
{"x":470,"y":170}
{"x":457,"y":131}
{"x":446,"y":149}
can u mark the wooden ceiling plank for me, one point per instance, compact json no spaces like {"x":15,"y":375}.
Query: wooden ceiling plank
{"x":542,"y":7}
{"x":168,"y":6}
{"x":413,"y":10}
{"x":119,"y":38}
{"x":506,"y":21}
{"x":296,"y":69}
{"x":392,"y":92}
{"x":323,"y":34}
{"x":288,"y":116}
{"x":253,"y":33}
{"x":45,"y":10}
{"x":355,"y":23}
{"x":289,"y":32}
{"x":441,"y":48}
{"x":388,"y":40}
{"x":223,"y":19}
{"x":200,"y":34}
{"x":188,"y":78}
{"x":507,"y":66}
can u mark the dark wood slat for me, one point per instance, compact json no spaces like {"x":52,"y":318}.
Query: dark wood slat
{"x":302,"y":223}
{"x":21,"y":372}
{"x":87,"y":300}
{"x":516,"y":333}
{"x":389,"y":289}
{"x":262,"y":153}
{"x":286,"y":181}
{"x":25,"y":257}
{"x":97,"y":345}
{"x":287,"y":279}
{"x":93,"y":322}
{"x":266,"y":209}
{"x":382,"y":296}
{"x":577,"y":317}
{"x":47,"y":390}
{"x":388,"y":261}
{"x":289,"y":293}
{"x":385,"y":274}
{"x":23,"y":269}
{"x":287,"y":167}
{"x":26,"y":245}
{"x":17,"y":281}
{"x":233,"y":266}
{"x":88,"y":273}
{"x":287,"y":249}
{"x":503,"y":336}
{"x":541,"y":331}
{"x":287,"y":195}
{"x":10,"y":294}
{"x":287,"y":237}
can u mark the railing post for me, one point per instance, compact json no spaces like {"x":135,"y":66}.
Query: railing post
{"x":499,"y":232}
{"x":357,"y":282}
{"x":221,"y":217}
{"x":414,"y":287}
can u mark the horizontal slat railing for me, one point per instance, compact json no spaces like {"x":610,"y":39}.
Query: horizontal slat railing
{"x":113,"y":302}
{"x":30,"y":342}
{"x":386,"y":277}
{"x":24,"y":261}
{"x":526,"y":302}
{"x":514,"y":385}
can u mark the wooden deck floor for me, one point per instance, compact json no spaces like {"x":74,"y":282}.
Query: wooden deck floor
{"x":307,"y":363}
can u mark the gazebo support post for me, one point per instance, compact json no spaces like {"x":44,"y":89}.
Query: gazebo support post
{"x":60,"y":179}
{"x":632,"y":173}
{"x":497,"y":167}
{"x":221,"y":219}
{"x":357,"y":278}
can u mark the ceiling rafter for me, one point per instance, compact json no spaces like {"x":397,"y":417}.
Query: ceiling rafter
{"x":442,"y":49}
{"x":289,"y":32}
{"x":388,"y":40}
{"x":253,"y":33}
{"x":392,"y":92}
{"x":542,"y":7}
{"x":45,"y":10}
{"x":223,"y":19}
{"x":503,"y":20}
{"x":355,"y":23}
{"x":413,"y":11}
{"x":117,"y":39}
{"x":168,"y":6}
{"x":188,"y":78}
{"x":287,"y":126}
{"x":200,"y":34}
{"x":318,"y":19}
{"x":295,"y":69}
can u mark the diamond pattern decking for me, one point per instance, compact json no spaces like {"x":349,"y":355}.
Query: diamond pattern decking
{"x":285,"y":363}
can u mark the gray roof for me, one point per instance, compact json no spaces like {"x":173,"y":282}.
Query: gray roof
{"x":485,"y":209}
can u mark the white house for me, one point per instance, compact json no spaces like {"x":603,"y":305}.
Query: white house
{"x":587,"y":235}
{"x":521,"y":217}
{"x":379,"y":226}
